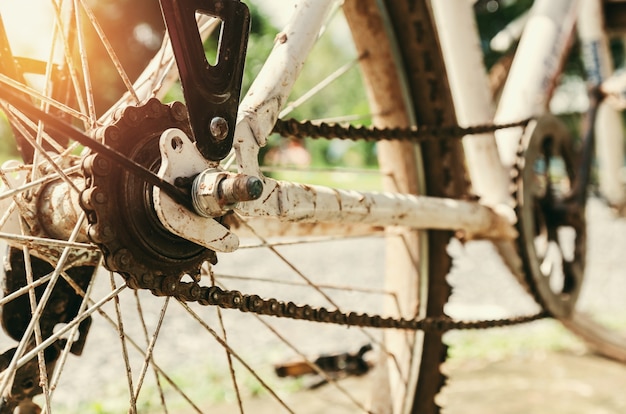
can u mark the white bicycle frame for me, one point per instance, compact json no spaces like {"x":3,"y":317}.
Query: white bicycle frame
{"x":293,"y":202}
{"x":541,"y":50}
{"x":542,"y":47}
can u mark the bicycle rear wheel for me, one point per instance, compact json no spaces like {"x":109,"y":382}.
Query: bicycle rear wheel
{"x":150,"y":352}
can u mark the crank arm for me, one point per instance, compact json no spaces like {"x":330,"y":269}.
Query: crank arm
{"x":211,"y":91}
{"x":343,"y":364}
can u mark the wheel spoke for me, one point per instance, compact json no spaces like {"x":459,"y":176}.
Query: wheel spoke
{"x":313,"y":366}
{"x":317,"y":88}
{"x":50,"y":161}
{"x":110,"y":51}
{"x":229,"y":358}
{"x":321,"y":290}
{"x":135,"y":344}
{"x":235,"y":355}
{"x":43,"y":370}
{"x":149,"y":350}
{"x":149,"y":341}
{"x":67,"y":328}
{"x":37,"y":95}
{"x":68,"y":62}
{"x":122,"y":336}
{"x":72,"y":333}
{"x":36,"y":314}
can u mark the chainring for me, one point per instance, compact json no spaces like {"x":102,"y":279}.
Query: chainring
{"x":119,"y":206}
{"x":551,"y":223}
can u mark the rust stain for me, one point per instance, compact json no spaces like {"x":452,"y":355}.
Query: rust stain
{"x":339,"y":203}
{"x":281,"y":38}
{"x":269,"y":195}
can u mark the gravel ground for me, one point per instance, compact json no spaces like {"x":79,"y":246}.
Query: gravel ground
{"x":536,"y":382}
{"x":535,"y":368}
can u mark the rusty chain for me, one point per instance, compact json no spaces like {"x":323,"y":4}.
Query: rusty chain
{"x":233,"y":299}
{"x":308,"y":129}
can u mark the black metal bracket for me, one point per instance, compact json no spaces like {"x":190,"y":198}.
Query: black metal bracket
{"x":211,"y":91}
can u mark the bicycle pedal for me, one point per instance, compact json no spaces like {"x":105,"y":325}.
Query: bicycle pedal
{"x":333,"y":365}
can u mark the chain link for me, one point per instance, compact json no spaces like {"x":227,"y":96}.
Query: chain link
{"x":300,"y":130}
{"x":234,"y":299}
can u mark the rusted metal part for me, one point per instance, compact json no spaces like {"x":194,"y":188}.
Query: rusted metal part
{"x":215,"y":192}
{"x":166,"y":282}
{"x":236,"y":188}
{"x":272,"y":227}
{"x":122,"y":220}
{"x":232,"y":299}
{"x":569,"y":211}
{"x":58,"y":209}
{"x":307,"y":129}
{"x":49,"y":211}
{"x":294,"y":202}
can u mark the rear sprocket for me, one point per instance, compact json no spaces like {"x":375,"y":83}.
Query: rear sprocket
{"x":120,"y":210}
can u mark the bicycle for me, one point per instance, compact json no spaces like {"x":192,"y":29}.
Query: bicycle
{"x":153,"y":192}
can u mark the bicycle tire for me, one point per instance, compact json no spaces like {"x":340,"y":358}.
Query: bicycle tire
{"x":435,"y":109}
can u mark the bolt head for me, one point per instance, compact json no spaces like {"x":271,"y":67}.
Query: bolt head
{"x":179,"y":111}
{"x":219,"y":128}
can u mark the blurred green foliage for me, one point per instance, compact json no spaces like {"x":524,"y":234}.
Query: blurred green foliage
{"x":8,"y":150}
